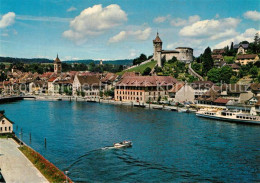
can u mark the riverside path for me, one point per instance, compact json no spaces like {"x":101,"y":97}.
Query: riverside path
{"x":15,"y":167}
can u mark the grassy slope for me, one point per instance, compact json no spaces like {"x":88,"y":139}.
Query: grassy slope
{"x":229,"y":59}
{"x":51,"y":172}
{"x":140,"y":68}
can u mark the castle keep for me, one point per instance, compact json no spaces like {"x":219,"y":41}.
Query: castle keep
{"x":184,"y":54}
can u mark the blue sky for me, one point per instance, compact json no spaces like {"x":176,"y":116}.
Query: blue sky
{"x":87,"y":29}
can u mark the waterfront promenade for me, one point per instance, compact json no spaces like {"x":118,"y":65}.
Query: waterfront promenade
{"x":15,"y":167}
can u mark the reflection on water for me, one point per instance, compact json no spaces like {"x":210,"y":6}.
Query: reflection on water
{"x":168,"y":146}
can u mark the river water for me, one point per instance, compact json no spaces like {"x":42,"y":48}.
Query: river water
{"x":167,"y":146}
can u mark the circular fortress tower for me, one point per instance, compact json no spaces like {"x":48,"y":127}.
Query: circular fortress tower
{"x":185,"y":54}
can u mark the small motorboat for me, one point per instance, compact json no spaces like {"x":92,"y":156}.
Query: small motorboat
{"x":123,"y":144}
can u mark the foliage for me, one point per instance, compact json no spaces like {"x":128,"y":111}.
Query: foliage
{"x":254,"y":71}
{"x":147,"y":71}
{"x":157,"y":69}
{"x":197,"y":67}
{"x":229,"y":59}
{"x":82,"y":94}
{"x":217,"y":75}
{"x":51,"y":172}
{"x":139,"y":68}
{"x":101,"y":93}
{"x":214,"y":75}
{"x":173,"y":60}
{"x":140,"y":59}
{"x":110,"y":93}
{"x":207,"y":61}
{"x":192,"y":79}
{"x":234,"y":79}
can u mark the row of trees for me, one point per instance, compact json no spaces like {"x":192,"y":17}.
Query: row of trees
{"x":141,"y":59}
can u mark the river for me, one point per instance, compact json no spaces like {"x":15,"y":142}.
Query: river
{"x":167,"y":146}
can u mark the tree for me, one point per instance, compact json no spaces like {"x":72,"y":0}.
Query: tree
{"x":234,"y":79}
{"x":225,"y":74}
{"x":147,"y":71}
{"x":83,"y":94}
{"x":244,"y":42}
{"x":214,"y":75}
{"x":258,"y":78}
{"x":254,"y":71}
{"x":208,"y":62}
{"x":173,"y":60}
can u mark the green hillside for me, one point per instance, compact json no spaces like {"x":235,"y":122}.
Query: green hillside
{"x":140,"y":68}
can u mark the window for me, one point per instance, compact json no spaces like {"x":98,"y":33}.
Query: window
{"x":9,"y":128}
{"x":5,"y":128}
{"x":3,"y":121}
{"x":1,"y":129}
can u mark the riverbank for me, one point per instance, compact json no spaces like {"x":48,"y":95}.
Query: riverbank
{"x":46,"y":171}
{"x":191,"y":108}
{"x":15,"y":167}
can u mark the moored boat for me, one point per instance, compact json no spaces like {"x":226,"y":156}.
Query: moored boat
{"x":231,"y":116}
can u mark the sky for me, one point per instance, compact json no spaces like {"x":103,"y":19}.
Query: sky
{"x":121,"y":29}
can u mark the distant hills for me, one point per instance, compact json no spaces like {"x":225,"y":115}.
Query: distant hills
{"x":44,"y":60}
{"x":116,"y":62}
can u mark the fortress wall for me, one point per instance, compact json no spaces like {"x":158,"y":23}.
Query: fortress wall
{"x":185,"y":55}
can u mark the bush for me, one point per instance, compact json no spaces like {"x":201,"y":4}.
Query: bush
{"x":147,"y":71}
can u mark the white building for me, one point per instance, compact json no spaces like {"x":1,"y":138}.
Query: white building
{"x":89,"y":85}
{"x":183,"y":54}
{"x":6,"y":126}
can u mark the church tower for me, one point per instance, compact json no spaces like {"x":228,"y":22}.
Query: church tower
{"x":57,"y":65}
{"x":157,"y":48}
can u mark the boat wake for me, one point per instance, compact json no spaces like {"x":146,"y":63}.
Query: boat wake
{"x":95,"y":165}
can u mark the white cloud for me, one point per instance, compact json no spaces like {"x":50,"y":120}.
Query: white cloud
{"x":211,"y":29}
{"x":7,"y":20}
{"x":182,"y":22}
{"x":72,"y":8}
{"x":161,"y":19}
{"x":119,"y":37}
{"x":139,"y":35}
{"x":253,"y":15}
{"x":94,"y":21}
{"x":248,"y":35}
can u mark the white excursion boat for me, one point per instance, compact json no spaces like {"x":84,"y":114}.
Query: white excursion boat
{"x":231,"y":116}
{"x":123,"y":144}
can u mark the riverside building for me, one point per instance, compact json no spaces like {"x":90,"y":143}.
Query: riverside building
{"x":144,"y":88}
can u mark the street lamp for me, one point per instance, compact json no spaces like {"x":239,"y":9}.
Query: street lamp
{"x":66,"y":172}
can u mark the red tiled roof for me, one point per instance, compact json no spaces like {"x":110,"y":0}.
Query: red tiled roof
{"x":90,"y":80}
{"x":147,"y":81}
{"x":217,"y":57}
{"x":52,"y":79}
{"x":255,"y":86}
{"x":218,"y":51}
{"x":110,"y":77}
{"x":234,"y":66}
{"x":176,"y":87}
{"x":157,"y":39}
{"x":221,"y":100}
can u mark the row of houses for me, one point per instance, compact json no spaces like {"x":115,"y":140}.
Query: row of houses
{"x":129,"y":87}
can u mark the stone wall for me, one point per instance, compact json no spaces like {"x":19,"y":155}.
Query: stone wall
{"x":185,"y":54}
